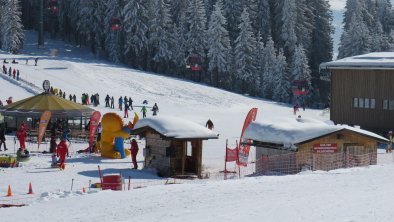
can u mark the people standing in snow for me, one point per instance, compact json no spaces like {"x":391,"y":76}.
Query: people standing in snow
{"x":131,"y":103}
{"x":120,"y":102}
{"x":125,"y":100}
{"x":9,"y":71}
{"x":2,"y":137}
{"x":209,"y":124}
{"x":112,"y":103}
{"x":21,"y":135}
{"x":134,"y":151}
{"x":107,"y":101}
{"x":35,"y":61}
{"x":14,"y":73}
{"x":4,"y":70}
{"x":155,"y":109}
{"x":143,"y":110}
{"x":70,"y":97}
{"x":17,"y":74}
{"x":74,"y":98}
{"x":126,"y":110}
{"x":62,"y":152}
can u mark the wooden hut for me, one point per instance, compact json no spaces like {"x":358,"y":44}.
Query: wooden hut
{"x":173,"y":145}
{"x":361,"y":91}
{"x":290,"y":145}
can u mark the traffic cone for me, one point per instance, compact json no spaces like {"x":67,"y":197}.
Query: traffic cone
{"x":9,"y":193}
{"x":30,"y":189}
{"x":83,"y":190}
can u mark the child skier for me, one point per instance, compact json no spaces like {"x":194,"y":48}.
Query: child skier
{"x":62,"y":152}
{"x":143,"y":110}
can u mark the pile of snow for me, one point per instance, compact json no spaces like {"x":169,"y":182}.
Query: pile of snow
{"x":176,"y":127}
{"x":384,"y":60}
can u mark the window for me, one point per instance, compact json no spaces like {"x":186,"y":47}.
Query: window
{"x":361,"y":102}
{"x":385,"y":104}
{"x":189,"y":149}
{"x":372,"y":105}
{"x":366,"y":103}
{"x":391,"y":105}
{"x":355,"y":102}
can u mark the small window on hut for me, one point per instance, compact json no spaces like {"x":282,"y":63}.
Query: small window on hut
{"x":361,"y":102}
{"x":366,"y":103}
{"x":355,"y":102}
{"x":385,"y":104}
{"x":372,"y":106}
{"x":189,"y":149}
{"x":391,"y":105}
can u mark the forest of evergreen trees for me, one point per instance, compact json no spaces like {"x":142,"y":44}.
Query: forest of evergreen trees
{"x":258,"y":47}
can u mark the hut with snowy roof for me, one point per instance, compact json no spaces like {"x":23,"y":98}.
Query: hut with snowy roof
{"x":173,"y":145}
{"x":288,"y":145}
{"x":362,"y":91}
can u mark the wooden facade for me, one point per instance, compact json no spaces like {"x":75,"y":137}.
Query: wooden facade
{"x":353,"y":149}
{"x":172,"y":157}
{"x":363,"y":83}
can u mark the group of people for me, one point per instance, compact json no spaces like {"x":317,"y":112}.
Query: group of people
{"x":296,"y":108}
{"x":93,"y":99}
{"x":14,"y":73}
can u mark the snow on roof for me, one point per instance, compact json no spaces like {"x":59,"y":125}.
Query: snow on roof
{"x":291,"y":131}
{"x":375,"y":60}
{"x":176,"y":127}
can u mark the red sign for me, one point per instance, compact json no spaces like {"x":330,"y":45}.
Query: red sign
{"x":325,"y":148}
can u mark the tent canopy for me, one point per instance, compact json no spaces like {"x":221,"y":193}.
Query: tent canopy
{"x":34,"y":106}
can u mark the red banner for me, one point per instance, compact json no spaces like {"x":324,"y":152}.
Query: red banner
{"x":325,"y":148}
{"x":244,"y":149}
{"x":94,"y":121}
{"x":42,"y":125}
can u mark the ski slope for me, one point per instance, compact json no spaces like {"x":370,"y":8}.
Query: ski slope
{"x":356,"y":194}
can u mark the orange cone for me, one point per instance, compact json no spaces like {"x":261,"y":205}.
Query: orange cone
{"x":9,"y":193}
{"x":30,"y":189}
{"x":83,"y":190}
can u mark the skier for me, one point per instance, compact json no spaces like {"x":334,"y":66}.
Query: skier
{"x":14,"y":62}
{"x":112,"y":103}
{"x":155,"y":109}
{"x":131,"y":103}
{"x":209,"y":124}
{"x":62,"y":152}
{"x":21,"y":135}
{"x":143,"y":110}
{"x":66,"y":133}
{"x":64,"y":95}
{"x":35,"y":61}
{"x":13,"y":73}
{"x":9,"y":71}
{"x":120,"y":102}
{"x":70,"y":97}
{"x":107,"y":101}
{"x":74,"y":98}
{"x":134,"y":151}
{"x":145,"y":102}
{"x":126,"y":110}
{"x":17,"y":74}
{"x":125,"y":100}
{"x":2,"y":137}
{"x":4,"y":69}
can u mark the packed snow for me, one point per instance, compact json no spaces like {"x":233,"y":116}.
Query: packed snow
{"x":357,"y":194}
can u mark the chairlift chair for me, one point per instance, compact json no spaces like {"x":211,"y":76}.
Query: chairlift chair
{"x":53,"y":6}
{"x":194,"y":63}
{"x":115,"y":24}
{"x":300,"y":87}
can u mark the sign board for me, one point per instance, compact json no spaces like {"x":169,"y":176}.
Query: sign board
{"x":325,"y":148}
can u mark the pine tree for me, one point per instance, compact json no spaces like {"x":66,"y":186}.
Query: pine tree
{"x":244,"y":58}
{"x":85,"y":20}
{"x":196,"y":24}
{"x":270,"y":67}
{"x":232,"y":11}
{"x":11,"y":27}
{"x":281,"y":81}
{"x":288,"y":36}
{"x":264,"y":19}
{"x":135,"y":26}
{"x":112,"y":37}
{"x":219,"y":42}
{"x":99,"y":26}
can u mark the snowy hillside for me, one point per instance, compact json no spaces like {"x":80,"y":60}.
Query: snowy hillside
{"x":357,"y":194}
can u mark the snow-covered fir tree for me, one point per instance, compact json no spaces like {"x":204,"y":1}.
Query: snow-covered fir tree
{"x":300,"y":70}
{"x":196,"y":24}
{"x":244,"y":57}
{"x":264,"y":19}
{"x":232,"y":11}
{"x":135,"y":20}
{"x":288,"y":38}
{"x":11,"y":26}
{"x":112,"y":37}
{"x":281,"y":80}
{"x":219,"y":45}
{"x":270,"y":66}
{"x":161,"y":37}
{"x":85,"y":21}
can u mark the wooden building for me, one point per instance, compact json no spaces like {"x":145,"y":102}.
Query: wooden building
{"x":362,"y":91}
{"x":173,"y":146}
{"x":288,"y":146}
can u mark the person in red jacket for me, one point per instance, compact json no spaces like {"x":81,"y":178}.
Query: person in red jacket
{"x":62,"y":152}
{"x":21,"y":135}
{"x":134,"y":151}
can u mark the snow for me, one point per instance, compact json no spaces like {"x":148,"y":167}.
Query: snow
{"x":176,"y":127}
{"x":356,"y":194}
{"x":291,"y":131}
{"x":375,"y":60}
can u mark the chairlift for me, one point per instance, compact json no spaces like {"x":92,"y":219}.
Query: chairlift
{"x":194,"y":63}
{"x":115,"y":24}
{"x":300,"y":87}
{"x":53,"y":6}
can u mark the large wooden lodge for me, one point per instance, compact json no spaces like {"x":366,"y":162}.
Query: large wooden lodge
{"x":362,"y":91}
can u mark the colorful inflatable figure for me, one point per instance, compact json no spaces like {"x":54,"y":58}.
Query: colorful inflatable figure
{"x":112,"y":137}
